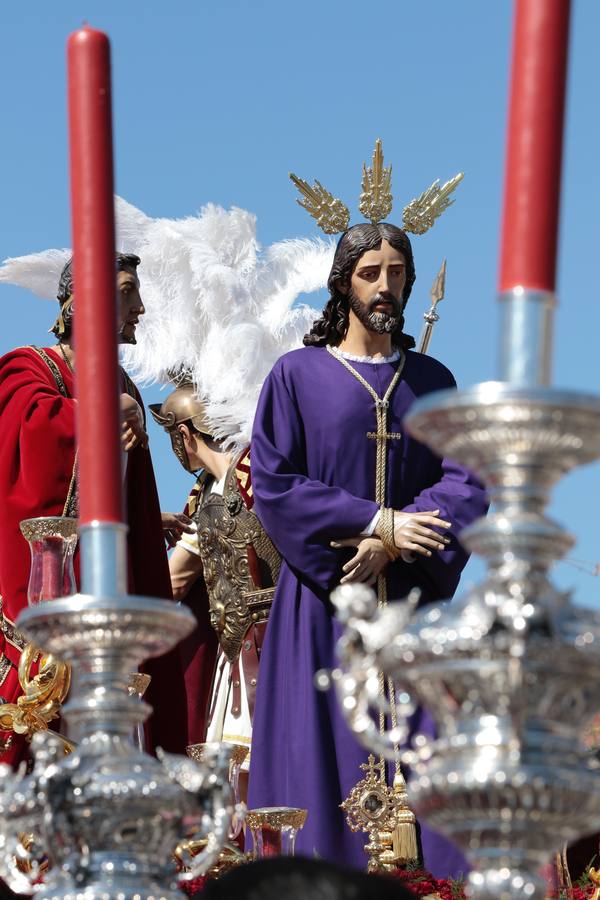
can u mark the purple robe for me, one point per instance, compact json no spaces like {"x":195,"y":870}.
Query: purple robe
{"x":313,"y":476}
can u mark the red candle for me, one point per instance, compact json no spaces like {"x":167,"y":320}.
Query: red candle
{"x":92,"y":210}
{"x":534,"y":151}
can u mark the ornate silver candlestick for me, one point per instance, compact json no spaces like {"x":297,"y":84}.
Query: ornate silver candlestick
{"x":108,"y":817}
{"x":509,"y":672}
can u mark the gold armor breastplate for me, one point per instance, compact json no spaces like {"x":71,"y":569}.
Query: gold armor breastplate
{"x":228,"y":533}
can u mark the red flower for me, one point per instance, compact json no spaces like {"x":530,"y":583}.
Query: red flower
{"x":422,"y":883}
{"x":191,"y":888}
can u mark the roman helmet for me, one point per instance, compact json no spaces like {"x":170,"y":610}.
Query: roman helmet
{"x":181,"y":406}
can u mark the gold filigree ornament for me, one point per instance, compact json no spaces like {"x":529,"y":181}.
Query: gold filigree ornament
{"x":139,"y":683}
{"x":376,"y":199}
{"x":331,"y":215}
{"x":239,"y":752}
{"x":229,"y":857}
{"x":276,"y":817}
{"x":594,"y":876}
{"x":28,"y":843}
{"x":421,"y":213}
{"x":381,"y":811}
{"x":43,"y":695}
{"x":375,"y":203}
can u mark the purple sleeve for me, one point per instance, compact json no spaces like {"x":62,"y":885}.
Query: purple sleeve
{"x":300,"y":514}
{"x":460,"y":499}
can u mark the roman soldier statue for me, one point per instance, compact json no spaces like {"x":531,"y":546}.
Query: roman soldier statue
{"x":230,"y":558}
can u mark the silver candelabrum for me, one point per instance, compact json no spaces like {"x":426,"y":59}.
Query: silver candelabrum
{"x":509,"y":672}
{"x":104,"y":821}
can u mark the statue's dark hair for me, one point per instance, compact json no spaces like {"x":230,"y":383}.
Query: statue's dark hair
{"x":333,"y":324}
{"x":63,"y":326}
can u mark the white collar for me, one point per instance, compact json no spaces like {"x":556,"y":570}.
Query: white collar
{"x":218,"y":487}
{"x":376,"y":360}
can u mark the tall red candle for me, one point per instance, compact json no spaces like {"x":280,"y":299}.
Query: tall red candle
{"x":92,"y":210}
{"x":534,"y":151}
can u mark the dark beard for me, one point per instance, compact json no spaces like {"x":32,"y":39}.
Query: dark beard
{"x":379,"y":322}
{"x":125,"y":339}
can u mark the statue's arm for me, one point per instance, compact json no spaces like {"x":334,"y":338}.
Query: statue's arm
{"x":185,"y":568}
{"x":300,"y":514}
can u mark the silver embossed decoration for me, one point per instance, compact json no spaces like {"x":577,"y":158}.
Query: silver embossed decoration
{"x":509,"y":672}
{"x":106,"y":819}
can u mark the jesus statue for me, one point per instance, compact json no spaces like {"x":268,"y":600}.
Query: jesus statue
{"x":346,"y":495}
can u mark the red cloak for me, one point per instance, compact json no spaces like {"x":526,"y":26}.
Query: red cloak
{"x":198,"y":656}
{"x":37,"y":450}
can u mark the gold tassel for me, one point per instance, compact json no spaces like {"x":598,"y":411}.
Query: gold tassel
{"x":405,"y":837}
{"x":405,"y":833}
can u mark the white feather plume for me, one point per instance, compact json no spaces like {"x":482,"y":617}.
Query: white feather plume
{"x":218,"y":307}
{"x":38,"y":272}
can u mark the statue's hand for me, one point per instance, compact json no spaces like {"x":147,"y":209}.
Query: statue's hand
{"x":174,"y":525}
{"x":368,"y":562}
{"x":414,"y":533}
{"x":132,"y":427}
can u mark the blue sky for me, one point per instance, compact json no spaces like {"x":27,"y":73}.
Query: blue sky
{"x":217,"y":101}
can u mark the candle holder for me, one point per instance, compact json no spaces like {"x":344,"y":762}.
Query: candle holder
{"x":231,"y":853}
{"x":52,"y":541}
{"x":238,"y":754}
{"x":274,"y":830}
{"x":509,"y":672}
{"x":108,"y":817}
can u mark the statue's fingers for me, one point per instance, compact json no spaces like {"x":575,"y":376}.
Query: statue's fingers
{"x":431,"y":534}
{"x":352,"y":575}
{"x":439,"y":523}
{"x":417,"y":548}
{"x":352,"y":564}
{"x":345,"y":542}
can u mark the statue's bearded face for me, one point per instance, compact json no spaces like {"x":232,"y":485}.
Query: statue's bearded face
{"x":376,"y":288}
{"x":130,"y":305}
